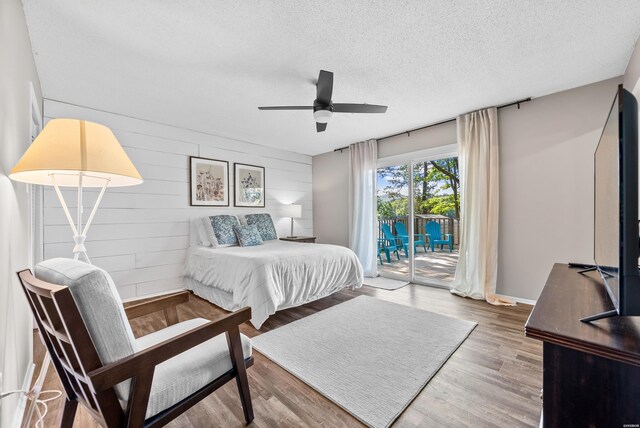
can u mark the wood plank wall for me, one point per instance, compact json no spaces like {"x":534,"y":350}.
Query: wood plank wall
{"x":140,"y":234}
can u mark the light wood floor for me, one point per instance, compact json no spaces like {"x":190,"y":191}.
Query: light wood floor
{"x":492,"y":380}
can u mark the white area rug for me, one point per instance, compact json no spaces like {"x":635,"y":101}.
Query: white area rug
{"x":369,"y":356}
{"x":386,"y":283}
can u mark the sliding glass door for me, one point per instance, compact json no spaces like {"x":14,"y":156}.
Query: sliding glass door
{"x":418,"y":217}
{"x":393,"y":213}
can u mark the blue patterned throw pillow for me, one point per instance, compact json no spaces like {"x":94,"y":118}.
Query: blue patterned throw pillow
{"x":223,"y":228}
{"x":265,"y":226}
{"x":248,"y":235}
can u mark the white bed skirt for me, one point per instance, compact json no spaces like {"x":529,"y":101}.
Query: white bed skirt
{"x":224,"y":299}
{"x":270,"y":277}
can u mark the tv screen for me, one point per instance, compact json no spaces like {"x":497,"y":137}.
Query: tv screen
{"x":616,"y":238}
{"x":607,"y":203}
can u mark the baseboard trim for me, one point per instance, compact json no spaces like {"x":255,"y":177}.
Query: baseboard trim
{"x":520,"y":300}
{"x":18,"y":416}
{"x":147,"y":296}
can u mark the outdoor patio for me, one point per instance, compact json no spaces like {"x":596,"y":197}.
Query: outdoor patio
{"x":440,"y":264}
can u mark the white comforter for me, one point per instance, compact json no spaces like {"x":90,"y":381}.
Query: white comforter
{"x":276,"y":275}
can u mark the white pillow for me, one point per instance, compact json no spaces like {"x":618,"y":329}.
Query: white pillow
{"x":208,"y":238}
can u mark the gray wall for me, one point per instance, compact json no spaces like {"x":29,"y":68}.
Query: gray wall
{"x":140,"y":234}
{"x":331,"y":198}
{"x":546,"y":183}
{"x":17,"y":68}
{"x":331,"y":180}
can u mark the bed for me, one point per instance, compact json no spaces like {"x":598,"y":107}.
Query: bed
{"x":270,"y":277}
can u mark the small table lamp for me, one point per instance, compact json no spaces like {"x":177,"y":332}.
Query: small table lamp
{"x":76,"y":153}
{"x":293,"y":211}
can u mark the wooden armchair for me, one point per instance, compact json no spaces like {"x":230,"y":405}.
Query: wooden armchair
{"x":121,"y":380}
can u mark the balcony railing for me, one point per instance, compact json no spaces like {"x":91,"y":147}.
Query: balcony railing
{"x":447,"y":225}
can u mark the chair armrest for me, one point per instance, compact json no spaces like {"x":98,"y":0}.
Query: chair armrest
{"x":126,"y":368}
{"x":164,"y":303}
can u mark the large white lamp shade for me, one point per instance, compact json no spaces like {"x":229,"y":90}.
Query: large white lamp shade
{"x":66,"y":147}
{"x":76,"y":153}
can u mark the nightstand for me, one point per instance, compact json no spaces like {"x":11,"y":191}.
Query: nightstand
{"x":308,"y":239}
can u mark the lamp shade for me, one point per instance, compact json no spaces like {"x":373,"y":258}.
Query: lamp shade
{"x":293,"y":211}
{"x":67,"y":147}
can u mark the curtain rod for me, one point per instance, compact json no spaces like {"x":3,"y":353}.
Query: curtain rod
{"x":524,"y":100}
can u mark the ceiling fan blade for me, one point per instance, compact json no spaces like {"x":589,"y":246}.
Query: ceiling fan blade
{"x":324,"y":87}
{"x":286,"y":108}
{"x":358,"y":108}
{"x":320,"y":127}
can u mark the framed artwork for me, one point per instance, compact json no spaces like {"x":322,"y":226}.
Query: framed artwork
{"x":209,"y":181}
{"x":248,"y":185}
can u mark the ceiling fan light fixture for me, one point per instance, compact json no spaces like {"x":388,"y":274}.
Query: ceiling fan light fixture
{"x":322,"y":116}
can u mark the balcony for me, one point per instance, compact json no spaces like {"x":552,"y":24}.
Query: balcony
{"x":439,"y":264}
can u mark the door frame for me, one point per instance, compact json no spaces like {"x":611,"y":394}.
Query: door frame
{"x":410,"y":159}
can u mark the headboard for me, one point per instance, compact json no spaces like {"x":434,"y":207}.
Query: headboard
{"x":194,"y":238}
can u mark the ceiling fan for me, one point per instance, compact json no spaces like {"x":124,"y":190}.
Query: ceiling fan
{"x":322,"y":106}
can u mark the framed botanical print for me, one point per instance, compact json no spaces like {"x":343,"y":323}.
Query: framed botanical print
{"x":209,"y":181}
{"x":248,"y":185}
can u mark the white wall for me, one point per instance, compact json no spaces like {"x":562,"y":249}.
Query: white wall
{"x":546,"y":182}
{"x":140,"y":234}
{"x":17,"y":68}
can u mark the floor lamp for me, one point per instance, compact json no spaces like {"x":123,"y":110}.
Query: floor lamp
{"x":81,"y":154}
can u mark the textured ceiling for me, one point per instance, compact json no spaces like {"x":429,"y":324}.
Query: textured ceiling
{"x":208,"y":65}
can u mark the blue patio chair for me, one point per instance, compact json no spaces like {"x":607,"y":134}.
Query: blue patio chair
{"x":387,"y":249}
{"x":435,"y":236}
{"x":418,"y":239}
{"x":391,"y":242}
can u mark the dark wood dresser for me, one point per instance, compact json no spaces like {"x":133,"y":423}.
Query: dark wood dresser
{"x":591,"y":370}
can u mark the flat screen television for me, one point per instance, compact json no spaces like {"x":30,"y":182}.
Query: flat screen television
{"x":616,"y":241}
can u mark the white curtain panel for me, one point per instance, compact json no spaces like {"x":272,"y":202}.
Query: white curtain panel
{"x":363,"y":158}
{"x":477,"y":269}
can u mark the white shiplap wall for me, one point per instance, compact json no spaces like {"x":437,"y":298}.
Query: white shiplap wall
{"x":140,"y":234}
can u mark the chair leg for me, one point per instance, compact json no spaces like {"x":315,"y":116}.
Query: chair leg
{"x":386,"y":252}
{"x":237,"y":359}
{"x":68,"y":413}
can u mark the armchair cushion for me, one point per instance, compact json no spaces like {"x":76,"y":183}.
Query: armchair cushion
{"x":100,"y":307}
{"x":183,"y":375}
